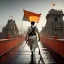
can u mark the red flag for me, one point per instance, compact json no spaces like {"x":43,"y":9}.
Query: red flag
{"x":31,"y":16}
{"x":53,"y":4}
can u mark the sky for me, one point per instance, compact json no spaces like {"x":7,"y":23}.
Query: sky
{"x":15,"y":8}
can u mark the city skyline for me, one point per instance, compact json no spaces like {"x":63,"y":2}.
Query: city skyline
{"x":15,"y":8}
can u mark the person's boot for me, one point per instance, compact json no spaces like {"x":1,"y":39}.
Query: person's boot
{"x":31,"y":53}
{"x":32,"y":62}
{"x":34,"y":57}
{"x":39,"y":52}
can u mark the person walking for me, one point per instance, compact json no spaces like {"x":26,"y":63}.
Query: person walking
{"x":31,"y":37}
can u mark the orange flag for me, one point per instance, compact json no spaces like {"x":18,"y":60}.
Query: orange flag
{"x":53,"y":4}
{"x":31,"y":16}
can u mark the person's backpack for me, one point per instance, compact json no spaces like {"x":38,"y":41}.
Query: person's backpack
{"x":32,"y":32}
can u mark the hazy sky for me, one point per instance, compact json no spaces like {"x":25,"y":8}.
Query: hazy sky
{"x":15,"y":8}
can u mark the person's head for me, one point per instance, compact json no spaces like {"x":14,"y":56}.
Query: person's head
{"x":32,"y":23}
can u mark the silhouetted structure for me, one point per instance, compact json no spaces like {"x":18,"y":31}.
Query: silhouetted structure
{"x":1,"y":35}
{"x":54,"y":24}
{"x":10,"y":28}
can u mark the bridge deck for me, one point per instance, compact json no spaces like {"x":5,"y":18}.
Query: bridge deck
{"x":22,"y":55}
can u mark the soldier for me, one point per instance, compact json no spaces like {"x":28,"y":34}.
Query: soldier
{"x":31,"y":37}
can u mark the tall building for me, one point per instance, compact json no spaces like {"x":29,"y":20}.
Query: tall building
{"x":54,"y":24}
{"x":11,"y":28}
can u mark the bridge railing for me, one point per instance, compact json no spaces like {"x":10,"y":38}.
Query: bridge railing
{"x":7,"y":44}
{"x":55,"y":44}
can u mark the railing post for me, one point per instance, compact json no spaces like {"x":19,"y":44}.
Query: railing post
{"x":8,"y":36}
{"x":56,"y":36}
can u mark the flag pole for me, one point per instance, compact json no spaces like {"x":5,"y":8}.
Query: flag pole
{"x":22,"y":25}
{"x":52,"y":7}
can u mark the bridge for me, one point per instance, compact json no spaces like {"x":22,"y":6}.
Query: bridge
{"x":16,"y":51}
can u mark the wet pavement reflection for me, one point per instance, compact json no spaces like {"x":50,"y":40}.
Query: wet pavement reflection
{"x":22,"y":55}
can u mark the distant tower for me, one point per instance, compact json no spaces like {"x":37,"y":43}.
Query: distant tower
{"x":11,"y":28}
{"x":54,"y":23}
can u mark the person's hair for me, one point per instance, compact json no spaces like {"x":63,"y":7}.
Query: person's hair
{"x":32,"y":23}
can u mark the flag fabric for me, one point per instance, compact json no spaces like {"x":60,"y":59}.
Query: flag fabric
{"x":31,"y":16}
{"x":53,"y":4}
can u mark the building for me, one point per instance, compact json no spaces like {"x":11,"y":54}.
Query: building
{"x":54,"y":24}
{"x":10,"y":28}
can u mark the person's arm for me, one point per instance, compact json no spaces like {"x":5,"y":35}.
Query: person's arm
{"x":26,"y":38}
{"x":38,"y":33}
